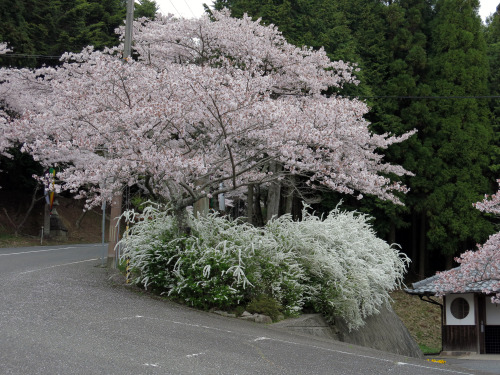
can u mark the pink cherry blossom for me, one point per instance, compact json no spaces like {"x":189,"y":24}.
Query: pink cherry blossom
{"x":4,"y":142}
{"x":202,"y":111}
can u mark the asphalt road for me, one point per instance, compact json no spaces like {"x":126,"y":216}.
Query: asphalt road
{"x":61,"y":314}
{"x":31,"y":259}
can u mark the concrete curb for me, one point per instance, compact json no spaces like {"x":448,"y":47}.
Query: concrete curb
{"x":309,"y":324}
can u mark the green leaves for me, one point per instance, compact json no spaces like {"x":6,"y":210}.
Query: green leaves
{"x":145,"y":8}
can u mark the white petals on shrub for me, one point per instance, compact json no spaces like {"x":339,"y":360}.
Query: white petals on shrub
{"x":352,"y":271}
{"x":338,"y":265}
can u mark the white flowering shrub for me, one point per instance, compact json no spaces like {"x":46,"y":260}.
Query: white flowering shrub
{"x":221,"y":264}
{"x":150,"y":245}
{"x":337,"y":264}
{"x":255,"y":261}
{"x":351,"y":270}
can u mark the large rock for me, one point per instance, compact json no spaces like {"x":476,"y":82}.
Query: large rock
{"x":384,"y":331}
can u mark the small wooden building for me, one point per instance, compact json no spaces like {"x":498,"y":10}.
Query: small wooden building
{"x":470,"y":321}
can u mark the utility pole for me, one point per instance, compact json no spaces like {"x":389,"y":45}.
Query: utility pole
{"x":116,"y":202}
{"x":127,"y":48}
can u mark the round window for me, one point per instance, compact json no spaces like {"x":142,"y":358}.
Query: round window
{"x":459,"y":308}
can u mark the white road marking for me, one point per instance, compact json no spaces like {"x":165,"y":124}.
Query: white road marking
{"x":40,"y":251}
{"x":194,"y":355}
{"x":59,"y":265}
{"x":198,"y":326}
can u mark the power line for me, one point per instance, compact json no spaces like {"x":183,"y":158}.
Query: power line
{"x":189,"y":8}
{"x":179,"y":13}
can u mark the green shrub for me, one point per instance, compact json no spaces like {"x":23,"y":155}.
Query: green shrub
{"x":266,"y":305}
{"x":239,"y":310}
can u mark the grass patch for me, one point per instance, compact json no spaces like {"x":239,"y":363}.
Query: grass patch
{"x":427,"y":350}
{"x":10,"y":240}
{"x":422,"y":319}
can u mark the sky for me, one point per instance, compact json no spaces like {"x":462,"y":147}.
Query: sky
{"x":194,"y":8}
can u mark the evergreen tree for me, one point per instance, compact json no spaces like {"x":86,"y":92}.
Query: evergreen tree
{"x":14,"y":30}
{"x":145,"y":8}
{"x":396,"y":109}
{"x":458,"y":136}
{"x":492,"y":35}
{"x":88,"y":22}
{"x":51,"y":27}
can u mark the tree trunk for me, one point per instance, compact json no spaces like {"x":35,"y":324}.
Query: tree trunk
{"x":289,"y":203}
{"x":273,"y":197}
{"x":181,"y":217}
{"x":414,"y":241}
{"x":259,"y":218}
{"x":200,"y":207}
{"x":114,"y":228}
{"x":17,"y":228}
{"x":250,"y":205}
{"x":422,"y":248}
{"x":289,"y":197}
{"x":391,"y":237}
{"x":78,"y":222}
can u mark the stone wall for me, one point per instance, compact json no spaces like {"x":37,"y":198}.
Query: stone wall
{"x":384,"y":331}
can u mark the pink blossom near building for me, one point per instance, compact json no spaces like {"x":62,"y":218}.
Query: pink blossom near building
{"x":471,"y":294}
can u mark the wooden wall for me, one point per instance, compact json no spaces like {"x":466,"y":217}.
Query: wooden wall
{"x":460,"y":338}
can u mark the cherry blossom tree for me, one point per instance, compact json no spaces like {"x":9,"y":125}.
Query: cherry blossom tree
{"x":20,"y":90}
{"x":480,"y":266}
{"x":207,"y":105}
{"x":4,"y":143}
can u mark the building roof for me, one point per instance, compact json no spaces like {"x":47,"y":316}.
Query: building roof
{"x":429,"y":286}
